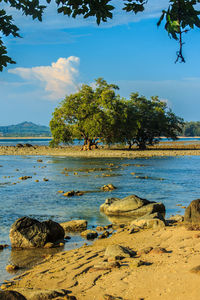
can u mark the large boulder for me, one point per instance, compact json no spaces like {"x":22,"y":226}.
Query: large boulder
{"x":154,"y":220}
{"x":192,"y":212}
{"x":11,"y":295}
{"x":28,"y":233}
{"x":74,"y":226}
{"x":131,"y":206}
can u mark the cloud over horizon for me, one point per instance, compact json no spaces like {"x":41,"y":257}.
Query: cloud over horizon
{"x":58,"y":79}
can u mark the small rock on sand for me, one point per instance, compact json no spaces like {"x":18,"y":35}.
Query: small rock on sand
{"x":74,"y":225}
{"x":89,"y":234}
{"x":119,"y":252}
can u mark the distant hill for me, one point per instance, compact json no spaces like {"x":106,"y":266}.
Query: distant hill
{"x":25,"y":129}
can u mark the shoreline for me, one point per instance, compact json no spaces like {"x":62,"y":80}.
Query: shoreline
{"x":164,"y":273}
{"x":176,"y":149}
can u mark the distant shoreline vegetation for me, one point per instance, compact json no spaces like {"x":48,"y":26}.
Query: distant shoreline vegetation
{"x":29,"y":129}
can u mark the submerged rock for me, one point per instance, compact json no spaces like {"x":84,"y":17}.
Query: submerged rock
{"x":73,"y":193}
{"x":28,"y":233}
{"x":108,"y":187}
{"x":25,"y":177}
{"x":131,"y":206}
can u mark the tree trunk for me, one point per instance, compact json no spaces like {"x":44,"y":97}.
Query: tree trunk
{"x":142,"y":146}
{"x":129,"y":145}
{"x":89,"y":144}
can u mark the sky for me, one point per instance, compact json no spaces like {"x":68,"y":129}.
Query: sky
{"x":58,"y":55}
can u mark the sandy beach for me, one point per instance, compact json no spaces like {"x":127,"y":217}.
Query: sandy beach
{"x":166,"y":272}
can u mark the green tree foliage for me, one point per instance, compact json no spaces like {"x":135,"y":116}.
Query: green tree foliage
{"x":93,"y":114}
{"x":153,"y":120}
{"x":180,"y":16}
{"x":191,"y":129}
{"x":88,"y":114}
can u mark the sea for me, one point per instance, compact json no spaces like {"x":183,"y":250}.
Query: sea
{"x":173,"y":181}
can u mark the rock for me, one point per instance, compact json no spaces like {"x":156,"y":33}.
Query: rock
{"x":3,"y":246}
{"x":110,"y":297}
{"x":105,"y":265}
{"x":176,"y":218}
{"x":99,"y":228}
{"x":19,"y":145}
{"x":47,"y":294}
{"x":119,"y":252}
{"x":12,"y":268}
{"x":39,"y":160}
{"x":25,"y":177}
{"x":131,"y":206}
{"x":79,"y":193}
{"x":74,"y":226}
{"x":145,"y":250}
{"x":109,"y":226}
{"x":49,"y":245}
{"x":136,"y":263}
{"x":27,"y":233}
{"x":148,"y":221}
{"x":11,"y":295}
{"x":104,"y":235}
{"x":108,"y":187}
{"x":158,"y":250}
{"x":60,"y":192}
{"x":196,"y":270}
{"x":69,"y":194}
{"x":73,"y":193}
{"x":28,"y":145}
{"x":192,"y":212}
{"x":89,"y":234}
{"x":45,"y":179}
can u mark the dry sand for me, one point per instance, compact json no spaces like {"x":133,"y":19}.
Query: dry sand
{"x":81,"y":271}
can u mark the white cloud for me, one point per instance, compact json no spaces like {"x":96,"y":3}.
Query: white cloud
{"x":58,"y":79}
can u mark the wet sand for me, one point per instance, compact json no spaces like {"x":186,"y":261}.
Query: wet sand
{"x":86,"y":273}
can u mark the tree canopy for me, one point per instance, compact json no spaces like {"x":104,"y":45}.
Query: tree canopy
{"x":191,"y":129}
{"x":98,"y":113}
{"x":180,"y":17}
{"x":87,"y":114}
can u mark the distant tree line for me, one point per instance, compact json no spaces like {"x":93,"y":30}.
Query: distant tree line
{"x":99,"y":114}
{"x":191,"y":129}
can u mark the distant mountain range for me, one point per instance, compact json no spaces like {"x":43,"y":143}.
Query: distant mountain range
{"x":25,"y":129}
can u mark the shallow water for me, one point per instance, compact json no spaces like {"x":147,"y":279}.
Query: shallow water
{"x":171,"y":180}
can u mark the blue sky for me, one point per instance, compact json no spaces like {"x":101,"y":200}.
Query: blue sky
{"x":56,"y":56}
